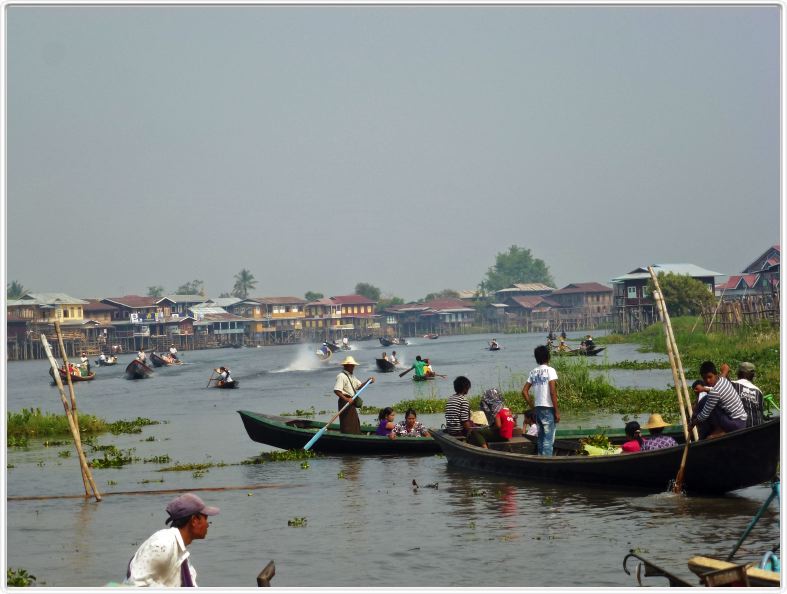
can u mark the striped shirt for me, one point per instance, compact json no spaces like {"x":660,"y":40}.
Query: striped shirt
{"x":457,"y":412}
{"x":751,"y":397}
{"x":724,"y":395}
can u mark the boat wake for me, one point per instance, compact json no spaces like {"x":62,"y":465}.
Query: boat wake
{"x":305,"y":360}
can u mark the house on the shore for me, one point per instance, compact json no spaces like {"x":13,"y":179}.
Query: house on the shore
{"x":280,"y":320}
{"x":760,"y":278}
{"x":634,"y":307}
{"x":439,"y":316}
{"x":581,"y":306}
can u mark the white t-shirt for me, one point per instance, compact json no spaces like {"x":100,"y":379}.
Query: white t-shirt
{"x":157,"y":562}
{"x":539,"y":380}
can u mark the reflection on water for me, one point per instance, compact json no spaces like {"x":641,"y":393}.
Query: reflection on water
{"x":366,"y":524}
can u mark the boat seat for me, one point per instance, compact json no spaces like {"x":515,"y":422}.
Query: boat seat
{"x":735,"y":576}
{"x":519,"y":445}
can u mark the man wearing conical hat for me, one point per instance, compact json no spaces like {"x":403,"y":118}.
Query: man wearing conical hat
{"x":346,"y":386}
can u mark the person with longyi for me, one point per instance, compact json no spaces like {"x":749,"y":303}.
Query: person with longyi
{"x":345,"y":387}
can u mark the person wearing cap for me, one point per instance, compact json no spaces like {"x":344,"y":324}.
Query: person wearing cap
{"x":656,"y":441}
{"x":162,"y":561}
{"x":751,"y":395}
{"x":84,"y":362}
{"x":346,"y":386}
{"x":173,"y":352}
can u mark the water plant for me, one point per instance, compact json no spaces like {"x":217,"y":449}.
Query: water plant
{"x":280,"y":456}
{"x":17,"y":441}
{"x":134,"y":426}
{"x":19,"y":578}
{"x":32,"y":422}
{"x":114,"y":458}
{"x":297,"y":522}
{"x":305,"y":464}
{"x":64,"y":453}
{"x":300,"y":413}
{"x":163,"y":459}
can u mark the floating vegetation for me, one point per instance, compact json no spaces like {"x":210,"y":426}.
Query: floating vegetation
{"x":54,"y":443}
{"x":134,"y":426}
{"x":112,"y":483}
{"x":340,"y":474}
{"x":10,"y":466}
{"x":113,"y":457}
{"x":297,"y":522}
{"x":151,"y":438}
{"x":163,"y":459}
{"x":198,"y":473}
{"x":477,"y":493}
{"x":19,"y":578}
{"x":629,"y":364}
{"x":280,"y":456}
{"x":64,"y":453}
{"x":194,"y":467}
{"x":146,"y":481}
{"x":305,"y":464}
{"x":300,"y":413}
{"x":17,"y":442}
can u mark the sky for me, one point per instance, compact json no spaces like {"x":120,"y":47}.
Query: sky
{"x":403,"y":146}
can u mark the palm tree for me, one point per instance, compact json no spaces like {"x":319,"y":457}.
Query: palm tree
{"x":14,"y":290}
{"x":244,"y":282}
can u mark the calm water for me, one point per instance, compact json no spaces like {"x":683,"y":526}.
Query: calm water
{"x":368,"y":528}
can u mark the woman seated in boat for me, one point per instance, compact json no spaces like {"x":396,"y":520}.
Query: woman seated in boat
{"x":634,"y":435}
{"x":530,"y":425}
{"x":656,"y":440}
{"x":411,"y":426}
{"x":393,"y":358}
{"x":428,"y":371}
{"x":385,"y":424}
{"x":385,"y":357}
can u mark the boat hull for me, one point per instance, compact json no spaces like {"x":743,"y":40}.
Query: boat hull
{"x":227,"y":386}
{"x":291,"y":434}
{"x":384,"y":366}
{"x":713,"y":466}
{"x":74,"y":378}
{"x":138,"y":370}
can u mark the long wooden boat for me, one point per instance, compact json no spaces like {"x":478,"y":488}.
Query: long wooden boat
{"x":159,"y":361}
{"x":714,"y":466}
{"x":432,"y":336}
{"x":74,"y":377}
{"x":591,"y":352}
{"x":333,"y":346}
{"x":385,"y":366}
{"x":106,"y":363}
{"x":386,"y":342}
{"x":288,"y":434}
{"x":137,"y":370}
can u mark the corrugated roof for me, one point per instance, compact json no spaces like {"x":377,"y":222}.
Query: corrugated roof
{"x":352,"y":300}
{"x":280,"y":300}
{"x":133,"y":301}
{"x":682,"y":268}
{"x":183,"y":298}
{"x":531,"y":287}
{"x":53,"y":299}
{"x":527,"y":301}
{"x":96,"y":305}
{"x":206,"y":308}
{"x":592,"y":287}
{"x":226,"y":301}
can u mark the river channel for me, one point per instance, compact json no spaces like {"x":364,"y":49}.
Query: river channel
{"x":365,"y":524}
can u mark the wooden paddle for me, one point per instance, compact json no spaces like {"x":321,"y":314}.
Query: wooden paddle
{"x":210,"y":379}
{"x":406,"y":371}
{"x":677,"y":486}
{"x":319,"y":434}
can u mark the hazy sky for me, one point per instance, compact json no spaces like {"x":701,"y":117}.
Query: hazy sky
{"x":402,"y":146}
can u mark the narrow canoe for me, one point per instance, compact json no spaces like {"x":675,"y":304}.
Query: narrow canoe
{"x":226,"y":385}
{"x":74,"y":378}
{"x":159,"y":361}
{"x":324,"y":357}
{"x":753,"y":453}
{"x":385,"y":366}
{"x":138,"y":370}
{"x":110,"y":361}
{"x":289,"y":434}
{"x":386,"y":342}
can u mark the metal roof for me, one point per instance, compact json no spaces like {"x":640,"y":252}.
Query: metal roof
{"x":52,"y":299}
{"x":184,"y":298}
{"x":682,"y":268}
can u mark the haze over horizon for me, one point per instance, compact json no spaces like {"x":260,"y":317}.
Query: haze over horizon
{"x":403,"y":146}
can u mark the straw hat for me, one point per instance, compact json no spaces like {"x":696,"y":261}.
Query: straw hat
{"x":655,"y":421}
{"x":479,"y":418}
{"x":349,"y":361}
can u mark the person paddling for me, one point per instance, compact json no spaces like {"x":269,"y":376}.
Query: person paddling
{"x":346,"y":386}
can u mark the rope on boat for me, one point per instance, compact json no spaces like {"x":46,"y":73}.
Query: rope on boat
{"x":151,"y":492}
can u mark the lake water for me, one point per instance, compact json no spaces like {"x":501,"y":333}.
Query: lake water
{"x":365,"y":525}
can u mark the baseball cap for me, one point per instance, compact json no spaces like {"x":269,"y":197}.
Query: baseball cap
{"x":187,"y":505}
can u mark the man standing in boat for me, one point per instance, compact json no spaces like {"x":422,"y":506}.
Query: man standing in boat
{"x":173,"y":352}
{"x":346,"y":386}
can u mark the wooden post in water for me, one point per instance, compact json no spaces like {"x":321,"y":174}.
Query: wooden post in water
{"x":87,"y":476}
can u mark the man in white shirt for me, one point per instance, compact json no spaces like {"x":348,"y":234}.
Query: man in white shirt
{"x":163,"y":560}
{"x":346,"y":386}
{"x":173,"y":352}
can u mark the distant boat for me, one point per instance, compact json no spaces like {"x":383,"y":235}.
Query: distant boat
{"x":222,"y":385}
{"x":324,"y":357}
{"x":107,"y":362}
{"x":75,"y":377}
{"x":159,"y":361}
{"x":432,"y":336}
{"x":138,"y":370}
{"x":385,"y":366}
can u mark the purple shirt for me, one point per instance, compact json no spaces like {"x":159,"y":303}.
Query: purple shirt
{"x":381,"y":430}
{"x":658,"y":442}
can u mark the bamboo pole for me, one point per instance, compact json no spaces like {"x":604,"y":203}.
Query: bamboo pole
{"x":59,"y":334}
{"x":683,"y":389}
{"x":71,"y":424}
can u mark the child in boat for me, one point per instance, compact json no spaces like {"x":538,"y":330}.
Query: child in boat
{"x":386,"y":423}
{"x":634,"y":434}
{"x":530,"y":423}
